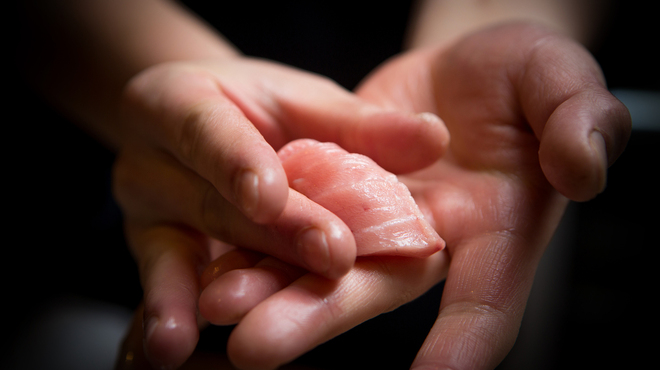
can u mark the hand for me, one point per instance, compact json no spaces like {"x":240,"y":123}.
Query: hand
{"x":532,"y":124}
{"x":201,"y":173}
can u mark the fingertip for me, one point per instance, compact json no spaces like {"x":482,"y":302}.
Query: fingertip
{"x":582,"y":138}
{"x":329,"y":251}
{"x":321,"y":242}
{"x":576,"y":171}
{"x":435,"y":131}
{"x":227,"y":299}
{"x":433,"y":138}
{"x":170,"y":283}
{"x":274,"y":187}
{"x":169,"y":340}
{"x":403,"y":143}
{"x":262,"y":193}
{"x":230,"y":297}
{"x":343,"y":251}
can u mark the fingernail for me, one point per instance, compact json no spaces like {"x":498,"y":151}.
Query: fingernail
{"x":600,"y":151}
{"x":313,"y":247}
{"x":247,"y":189}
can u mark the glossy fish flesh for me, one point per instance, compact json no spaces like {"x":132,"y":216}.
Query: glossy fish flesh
{"x":379,"y":209}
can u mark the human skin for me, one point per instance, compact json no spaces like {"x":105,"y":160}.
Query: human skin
{"x":507,"y":199}
{"x":171,"y":96}
{"x":379,"y":210}
{"x":547,"y":129}
{"x":169,"y":249}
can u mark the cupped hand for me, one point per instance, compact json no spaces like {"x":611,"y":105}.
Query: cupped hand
{"x":225,"y":120}
{"x":532,"y":126}
{"x":199,"y":174}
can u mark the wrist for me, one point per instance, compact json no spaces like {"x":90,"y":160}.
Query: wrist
{"x":437,"y":21}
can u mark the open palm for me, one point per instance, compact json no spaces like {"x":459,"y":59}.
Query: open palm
{"x":488,"y":197}
{"x":532,"y":125}
{"x":528,"y":113}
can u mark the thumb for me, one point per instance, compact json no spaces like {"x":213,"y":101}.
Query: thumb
{"x":310,"y":106}
{"x":579,"y":142}
{"x":582,"y":127}
{"x":399,"y":142}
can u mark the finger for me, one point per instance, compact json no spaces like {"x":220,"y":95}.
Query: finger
{"x":482,"y":319}
{"x":493,"y":260}
{"x":232,"y":260}
{"x":185,"y":111}
{"x":581,"y":140}
{"x":482,"y":305}
{"x":309,"y":106}
{"x":402,"y":83}
{"x":582,"y":127}
{"x":313,"y":309}
{"x":131,"y":354}
{"x":231,"y":296}
{"x":169,"y":261}
{"x":157,"y":188}
{"x":306,"y":234}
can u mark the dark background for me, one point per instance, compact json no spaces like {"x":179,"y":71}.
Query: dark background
{"x":593,"y":309}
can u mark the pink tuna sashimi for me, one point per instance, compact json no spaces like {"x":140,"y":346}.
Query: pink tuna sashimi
{"x":379,"y":209}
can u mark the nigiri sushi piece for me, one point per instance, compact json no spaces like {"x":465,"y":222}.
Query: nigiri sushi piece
{"x":379,"y":210}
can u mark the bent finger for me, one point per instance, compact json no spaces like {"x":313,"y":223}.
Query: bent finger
{"x":312,"y":310}
{"x":310,"y":106}
{"x":155,"y":187}
{"x":231,"y":296}
{"x":183,"y":109}
{"x":581,"y":126}
{"x":169,"y":260}
{"x":581,"y":139}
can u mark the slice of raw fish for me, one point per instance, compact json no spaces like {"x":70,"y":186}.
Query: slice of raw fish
{"x":379,"y":209}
